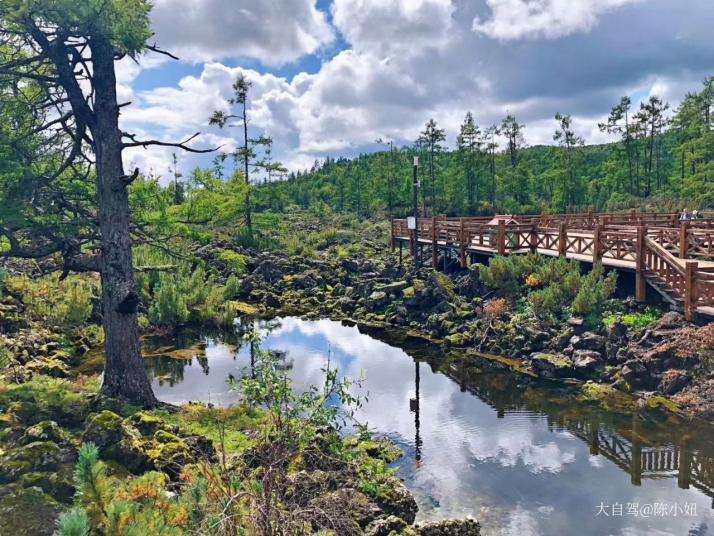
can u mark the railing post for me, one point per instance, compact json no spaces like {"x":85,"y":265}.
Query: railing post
{"x":683,"y":239}
{"x":640,"y":252}
{"x":501,"y":237}
{"x":434,"y":245}
{"x":690,"y":289}
{"x":462,"y":244}
{"x":533,"y":238}
{"x":562,"y":239}
{"x":597,"y":244}
{"x":412,"y":243}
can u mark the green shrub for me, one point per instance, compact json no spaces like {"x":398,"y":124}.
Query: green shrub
{"x":567,"y":290}
{"x":507,"y":274}
{"x":233,"y":260}
{"x":169,"y":305}
{"x":67,"y":302}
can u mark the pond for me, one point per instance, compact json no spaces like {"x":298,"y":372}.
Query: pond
{"x":522,"y":459}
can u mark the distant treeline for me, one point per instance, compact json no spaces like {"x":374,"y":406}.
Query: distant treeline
{"x":661,"y":160}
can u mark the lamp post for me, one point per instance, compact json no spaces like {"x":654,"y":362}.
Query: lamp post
{"x":415,"y":184}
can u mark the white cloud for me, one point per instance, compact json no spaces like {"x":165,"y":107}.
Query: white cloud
{"x":393,"y":26}
{"x":274,"y":32}
{"x":409,"y":60}
{"x":518,"y":19}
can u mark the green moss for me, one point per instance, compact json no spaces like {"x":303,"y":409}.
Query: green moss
{"x":242,"y":308}
{"x":45,"y":398}
{"x":104,"y":429}
{"x":199,"y":419}
{"x":28,"y":512}
{"x":380,"y":449}
{"x":607,"y":396}
{"x":655,"y":402}
{"x":147,"y":423}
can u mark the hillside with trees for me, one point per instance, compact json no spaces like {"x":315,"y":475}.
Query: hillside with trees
{"x":660,"y":160}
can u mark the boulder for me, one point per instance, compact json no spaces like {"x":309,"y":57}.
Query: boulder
{"x":673,"y":381}
{"x":452,"y":527}
{"x":37,"y":456}
{"x":590,"y":341}
{"x":117,"y":441}
{"x":586,"y":360}
{"x":671,"y":320}
{"x":617,"y":330}
{"x":45,"y":431}
{"x":27,"y":512}
{"x":386,"y":526}
{"x":395,"y":499}
{"x":551,"y":365}
{"x":345,"y":501}
{"x":634,"y":372}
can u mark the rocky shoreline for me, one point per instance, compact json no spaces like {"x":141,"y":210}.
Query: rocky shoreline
{"x":667,"y":363}
{"x":48,"y":406}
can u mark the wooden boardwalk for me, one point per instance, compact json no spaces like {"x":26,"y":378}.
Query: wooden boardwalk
{"x":674,"y":258}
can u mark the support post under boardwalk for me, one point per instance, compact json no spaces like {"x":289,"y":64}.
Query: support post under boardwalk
{"x":434,"y":245}
{"x":562,"y":239}
{"x":690,"y":290}
{"x":683,"y":239}
{"x":501,"y":238}
{"x":462,"y":244}
{"x":640,"y":283}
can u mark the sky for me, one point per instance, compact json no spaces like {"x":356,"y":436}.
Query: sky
{"x":330,"y":77}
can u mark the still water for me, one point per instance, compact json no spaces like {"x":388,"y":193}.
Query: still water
{"x":523,"y":460}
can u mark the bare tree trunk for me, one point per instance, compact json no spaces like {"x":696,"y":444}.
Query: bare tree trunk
{"x":248,"y":208}
{"x":124,"y":373}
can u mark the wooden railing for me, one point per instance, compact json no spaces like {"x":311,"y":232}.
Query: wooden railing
{"x":660,"y":248}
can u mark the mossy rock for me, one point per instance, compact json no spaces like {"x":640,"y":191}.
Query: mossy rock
{"x":456,"y":339}
{"x":59,"y":485}
{"x":243,"y":308}
{"x":658,"y":401}
{"x":392,"y":287}
{"x":361,"y":510}
{"x":380,"y":449}
{"x":395,"y":499}
{"x":146,"y":423}
{"x":45,"y":431}
{"x":117,"y":441}
{"x":607,"y":396}
{"x":450,"y":527}
{"x":104,"y":429}
{"x":170,"y":453}
{"x":387,"y":526}
{"x":27,"y":512}
{"x":36,"y":456}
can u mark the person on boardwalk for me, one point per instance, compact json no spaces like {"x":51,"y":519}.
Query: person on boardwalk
{"x":684,"y":216}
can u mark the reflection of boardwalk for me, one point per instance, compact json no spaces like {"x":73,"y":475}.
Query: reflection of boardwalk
{"x":690,"y":468}
{"x":675,"y":259}
{"x":627,"y":444}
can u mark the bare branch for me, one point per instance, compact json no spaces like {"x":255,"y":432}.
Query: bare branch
{"x":181,"y":145}
{"x":158,"y":50}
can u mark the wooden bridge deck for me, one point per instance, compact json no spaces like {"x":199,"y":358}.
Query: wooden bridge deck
{"x":674,"y":258}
